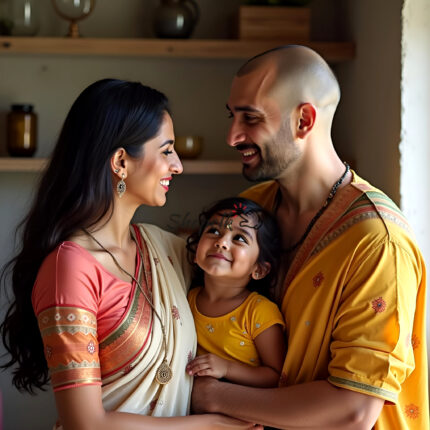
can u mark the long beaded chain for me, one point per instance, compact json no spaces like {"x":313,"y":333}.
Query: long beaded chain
{"x":321,"y":211}
{"x":164,"y":373}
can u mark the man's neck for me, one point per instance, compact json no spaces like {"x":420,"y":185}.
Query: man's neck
{"x":303,"y":192}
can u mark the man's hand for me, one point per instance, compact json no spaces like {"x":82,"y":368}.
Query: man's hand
{"x":208,"y":365}
{"x":202,"y":400}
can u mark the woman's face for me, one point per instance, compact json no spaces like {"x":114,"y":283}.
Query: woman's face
{"x":149,"y":177}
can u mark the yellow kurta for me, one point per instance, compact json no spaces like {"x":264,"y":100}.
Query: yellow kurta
{"x":231,"y":336}
{"x":354,"y":304}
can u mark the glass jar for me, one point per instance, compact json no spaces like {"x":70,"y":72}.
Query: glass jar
{"x":21,"y":131}
{"x":24,"y":15}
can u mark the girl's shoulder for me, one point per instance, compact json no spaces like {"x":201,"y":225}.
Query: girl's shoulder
{"x":193,"y":293}
{"x":256,"y":303}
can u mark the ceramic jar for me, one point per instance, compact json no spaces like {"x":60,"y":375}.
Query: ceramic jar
{"x":176,"y":18}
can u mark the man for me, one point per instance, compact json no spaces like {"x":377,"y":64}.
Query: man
{"x":353,"y":285}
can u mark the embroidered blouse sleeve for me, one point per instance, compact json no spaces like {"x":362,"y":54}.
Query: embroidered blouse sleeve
{"x":65,"y":301}
{"x":371,"y":348}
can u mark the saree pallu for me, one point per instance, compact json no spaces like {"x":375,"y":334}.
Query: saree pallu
{"x":124,"y":359}
{"x":137,"y":391}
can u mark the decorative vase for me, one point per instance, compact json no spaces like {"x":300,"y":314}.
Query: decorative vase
{"x":176,"y":18}
{"x":24,"y":17}
{"x":73,"y":11}
{"x":188,"y":147}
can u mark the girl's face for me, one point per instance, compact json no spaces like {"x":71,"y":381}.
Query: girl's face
{"x":228,"y":248}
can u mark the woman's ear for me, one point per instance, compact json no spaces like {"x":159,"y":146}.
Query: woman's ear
{"x":261,"y":270}
{"x":118,"y":163}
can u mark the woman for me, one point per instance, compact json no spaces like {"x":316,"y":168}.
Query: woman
{"x":99,"y":302}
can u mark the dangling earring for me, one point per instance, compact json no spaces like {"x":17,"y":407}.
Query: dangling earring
{"x":121,"y":187}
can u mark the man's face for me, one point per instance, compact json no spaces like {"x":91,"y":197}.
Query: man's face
{"x":260,"y":128}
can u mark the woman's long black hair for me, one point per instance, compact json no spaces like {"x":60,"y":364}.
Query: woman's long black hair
{"x":75,"y":192}
{"x":267,"y":232}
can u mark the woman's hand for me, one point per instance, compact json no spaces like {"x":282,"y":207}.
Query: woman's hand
{"x":208,"y":365}
{"x":223,"y":422}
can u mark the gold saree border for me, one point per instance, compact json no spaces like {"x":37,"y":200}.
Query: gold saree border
{"x":125,"y":343}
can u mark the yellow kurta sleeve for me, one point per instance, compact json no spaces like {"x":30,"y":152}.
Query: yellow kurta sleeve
{"x":371,"y":348}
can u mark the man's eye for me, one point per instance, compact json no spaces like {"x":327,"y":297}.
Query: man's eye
{"x":250,"y":118}
{"x":167,"y":152}
{"x":230,"y":114}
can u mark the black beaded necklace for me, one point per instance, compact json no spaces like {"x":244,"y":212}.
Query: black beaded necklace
{"x":320,"y":212}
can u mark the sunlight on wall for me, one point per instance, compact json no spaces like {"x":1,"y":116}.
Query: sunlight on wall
{"x":415,"y":120}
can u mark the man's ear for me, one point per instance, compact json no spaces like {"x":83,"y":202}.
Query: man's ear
{"x":306,"y":119}
{"x":261,"y":270}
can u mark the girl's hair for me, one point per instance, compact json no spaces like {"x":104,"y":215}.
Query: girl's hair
{"x":267,"y":232}
{"x":75,"y":192}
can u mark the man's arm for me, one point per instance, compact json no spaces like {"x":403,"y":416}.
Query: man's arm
{"x":314,"y":405}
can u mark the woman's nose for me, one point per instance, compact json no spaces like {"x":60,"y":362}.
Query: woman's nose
{"x":176,"y":165}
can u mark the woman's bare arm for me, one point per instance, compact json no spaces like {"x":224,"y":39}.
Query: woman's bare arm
{"x":81,"y":409}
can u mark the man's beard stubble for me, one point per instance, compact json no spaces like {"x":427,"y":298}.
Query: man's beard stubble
{"x":279,"y":154}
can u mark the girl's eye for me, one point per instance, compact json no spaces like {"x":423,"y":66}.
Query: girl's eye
{"x":240,"y":238}
{"x":167,"y":152}
{"x":212,"y":230}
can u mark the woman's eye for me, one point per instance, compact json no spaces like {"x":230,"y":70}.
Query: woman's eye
{"x":230,"y":115}
{"x":167,"y":152}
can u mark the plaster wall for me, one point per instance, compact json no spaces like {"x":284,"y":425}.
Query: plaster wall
{"x":367,"y":125}
{"x":415,"y":131}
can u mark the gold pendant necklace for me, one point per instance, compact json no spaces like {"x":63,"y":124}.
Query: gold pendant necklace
{"x":164,"y":373}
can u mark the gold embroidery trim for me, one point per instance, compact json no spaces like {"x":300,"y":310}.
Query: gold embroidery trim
{"x":388,"y":395}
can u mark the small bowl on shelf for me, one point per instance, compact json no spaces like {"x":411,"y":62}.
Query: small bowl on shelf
{"x":189,"y":147}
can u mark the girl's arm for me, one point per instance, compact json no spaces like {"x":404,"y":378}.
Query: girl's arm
{"x":81,"y":409}
{"x":271,"y":349}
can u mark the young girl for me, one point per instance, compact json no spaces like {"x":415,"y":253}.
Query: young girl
{"x":239,"y":332}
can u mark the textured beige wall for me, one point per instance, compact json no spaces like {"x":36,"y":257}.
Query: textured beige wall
{"x":367,"y":126}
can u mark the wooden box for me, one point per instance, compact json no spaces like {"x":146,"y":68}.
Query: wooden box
{"x":273,"y":22}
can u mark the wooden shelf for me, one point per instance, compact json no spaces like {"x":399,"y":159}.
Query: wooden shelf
{"x":333,"y":52}
{"x":191,"y":167}
{"x":9,"y":164}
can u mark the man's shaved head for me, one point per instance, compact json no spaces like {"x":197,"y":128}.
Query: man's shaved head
{"x":297,"y":74}
{"x":281,"y":100}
